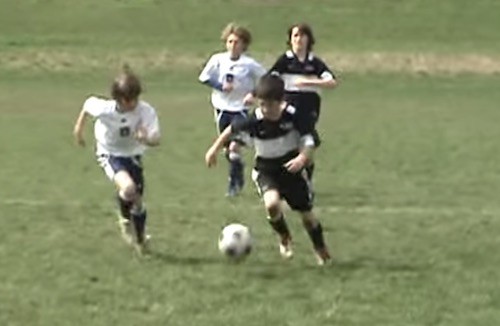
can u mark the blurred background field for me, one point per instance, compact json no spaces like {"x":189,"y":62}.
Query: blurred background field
{"x":407,"y":181}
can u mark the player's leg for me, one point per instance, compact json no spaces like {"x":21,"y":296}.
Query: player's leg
{"x":315,"y":230}
{"x":236,"y":165}
{"x":127,"y":197}
{"x":236,"y":168}
{"x":317,"y":141}
{"x":112,"y":167}
{"x":138,"y":210}
{"x":268,"y":188}
{"x":129,"y":181}
{"x":223,"y":120}
{"x":299,"y":198}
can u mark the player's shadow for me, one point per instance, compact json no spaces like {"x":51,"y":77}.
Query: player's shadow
{"x":340,"y":267}
{"x":172,"y":259}
{"x":378,"y":264}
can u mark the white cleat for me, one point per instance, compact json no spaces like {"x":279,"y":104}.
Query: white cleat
{"x":143,"y":248}
{"x":286,"y":250}
{"x":126,"y":230}
{"x":322,"y":257}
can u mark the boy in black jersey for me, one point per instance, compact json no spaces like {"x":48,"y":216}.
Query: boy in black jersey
{"x":305,"y":74}
{"x":283,"y":147}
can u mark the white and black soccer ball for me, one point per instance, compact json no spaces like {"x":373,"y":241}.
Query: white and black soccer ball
{"x":235,"y":241}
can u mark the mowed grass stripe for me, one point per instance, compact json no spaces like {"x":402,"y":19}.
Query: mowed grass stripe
{"x":162,"y":60}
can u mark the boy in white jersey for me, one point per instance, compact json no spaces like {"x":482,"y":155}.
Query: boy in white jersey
{"x":232,"y":75}
{"x":124,"y":128}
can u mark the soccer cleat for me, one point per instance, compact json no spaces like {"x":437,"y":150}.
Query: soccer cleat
{"x":126,"y":229}
{"x":233,"y":190}
{"x":322,"y":256}
{"x":143,"y":248}
{"x":286,"y":248}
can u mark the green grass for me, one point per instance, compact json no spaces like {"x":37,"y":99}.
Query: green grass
{"x":416,"y":25}
{"x":407,"y":180}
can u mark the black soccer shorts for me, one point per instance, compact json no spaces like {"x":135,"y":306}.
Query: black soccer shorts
{"x":292,"y":187}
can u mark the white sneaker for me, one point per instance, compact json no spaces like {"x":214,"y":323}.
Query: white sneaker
{"x":143,"y":248}
{"x":286,"y":250}
{"x":322,"y":257}
{"x":126,"y":229}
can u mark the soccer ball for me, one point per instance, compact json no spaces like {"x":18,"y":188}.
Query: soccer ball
{"x":235,"y":241}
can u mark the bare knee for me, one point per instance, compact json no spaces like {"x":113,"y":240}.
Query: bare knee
{"x":234,"y":147}
{"x":127,"y":189}
{"x":129,"y":192}
{"x":272,"y":203}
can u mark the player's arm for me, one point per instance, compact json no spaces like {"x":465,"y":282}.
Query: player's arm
{"x":148,"y":129}
{"x":93,"y":107}
{"x":209,"y":75}
{"x":325,"y":80}
{"x":146,"y":138}
{"x":211,"y":155}
{"x":307,"y":145}
{"x":325,"y":77}
{"x":305,"y":155}
{"x":237,"y":126}
{"x":80,"y":126}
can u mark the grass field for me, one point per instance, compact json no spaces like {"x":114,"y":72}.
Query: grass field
{"x":407,"y":180}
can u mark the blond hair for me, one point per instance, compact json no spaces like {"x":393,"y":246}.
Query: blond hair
{"x":241,"y":32}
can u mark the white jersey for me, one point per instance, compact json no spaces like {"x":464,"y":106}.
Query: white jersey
{"x":244,"y":72}
{"x":114,"y":130}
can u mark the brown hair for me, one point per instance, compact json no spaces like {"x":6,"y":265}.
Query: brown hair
{"x":270,"y":87}
{"x":304,"y":29}
{"x":240,"y":31}
{"x":126,"y":86}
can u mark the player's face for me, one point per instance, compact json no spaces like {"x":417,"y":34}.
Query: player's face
{"x":234,"y":45}
{"x":298,"y":40}
{"x":127,"y":105}
{"x":270,"y":108}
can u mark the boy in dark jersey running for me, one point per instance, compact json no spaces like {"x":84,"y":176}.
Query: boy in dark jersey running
{"x":305,"y":75}
{"x":283,"y":147}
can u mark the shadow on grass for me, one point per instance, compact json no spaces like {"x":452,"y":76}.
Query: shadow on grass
{"x":172,"y":259}
{"x":372,"y":263}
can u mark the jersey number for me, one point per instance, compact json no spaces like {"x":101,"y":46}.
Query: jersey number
{"x":125,"y":131}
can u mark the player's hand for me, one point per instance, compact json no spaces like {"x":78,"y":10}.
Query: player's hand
{"x":141,"y":134}
{"x":211,"y":157}
{"x":79,"y":138}
{"x":296,"y":163}
{"x":249,"y":99}
{"x":227,"y":87}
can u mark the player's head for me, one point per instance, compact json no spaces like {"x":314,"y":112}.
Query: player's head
{"x":236,"y":38}
{"x":270,"y":92}
{"x":301,"y":37}
{"x":126,"y":89}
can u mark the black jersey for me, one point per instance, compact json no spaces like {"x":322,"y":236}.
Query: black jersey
{"x":276,"y":142}
{"x":290,"y":68}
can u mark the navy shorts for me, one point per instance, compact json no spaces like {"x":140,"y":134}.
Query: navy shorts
{"x":224,"y":118}
{"x":130,"y":164}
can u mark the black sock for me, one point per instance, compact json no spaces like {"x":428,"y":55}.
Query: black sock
{"x":139,"y":219}
{"x":316,"y":235}
{"x":236,"y":171}
{"x":279,"y":225}
{"x":124,"y":206}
